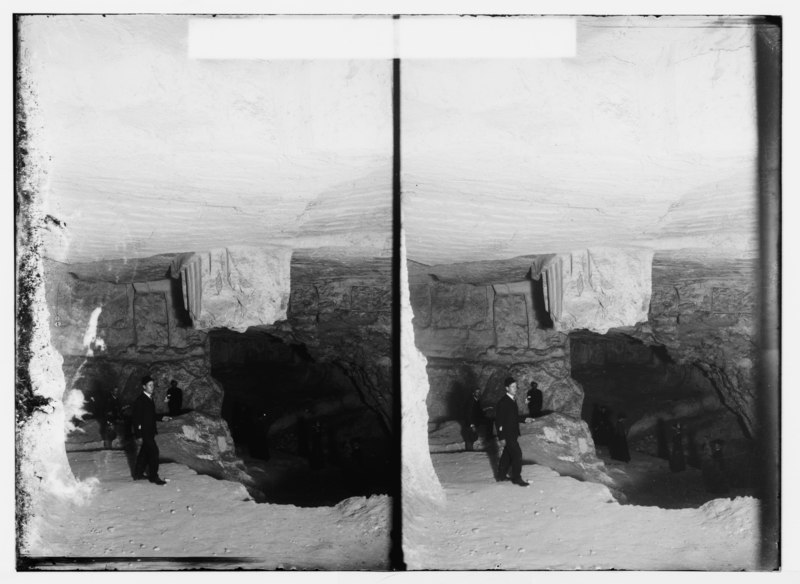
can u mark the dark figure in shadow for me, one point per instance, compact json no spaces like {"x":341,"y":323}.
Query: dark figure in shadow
{"x":714,"y":474}
{"x":95,"y":402}
{"x":693,"y":457}
{"x":302,"y":435}
{"x":478,"y":423}
{"x":106,"y":412}
{"x":662,"y":443}
{"x":113,"y":419}
{"x":97,"y":406}
{"x":601,"y":427}
{"x":594,"y":423}
{"x":535,"y":399}
{"x":174,"y":399}
{"x":618,"y":447}
{"x":258,"y":434}
{"x":677,"y":460}
{"x":317,"y":456}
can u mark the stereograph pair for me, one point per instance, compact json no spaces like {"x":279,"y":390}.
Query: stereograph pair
{"x":304,"y":308}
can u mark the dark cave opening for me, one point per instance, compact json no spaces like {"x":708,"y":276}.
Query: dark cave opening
{"x":300,"y":425}
{"x":684,"y":447}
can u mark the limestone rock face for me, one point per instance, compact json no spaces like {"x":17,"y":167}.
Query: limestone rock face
{"x":137,"y":316}
{"x":453,"y":381}
{"x":201,"y":391}
{"x":421,"y":486}
{"x":565,"y":445}
{"x":475,"y":335}
{"x":139,"y":329}
{"x":601,"y":288}
{"x":704,"y":313}
{"x":513,"y":166}
{"x":342,"y":314}
{"x":204,"y":444}
{"x":236,"y":287}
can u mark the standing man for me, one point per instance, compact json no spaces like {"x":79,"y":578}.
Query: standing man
{"x":535,"y":399}
{"x":677,"y":461}
{"x":174,"y":399}
{"x":144,"y":427}
{"x":110,"y":418}
{"x":478,"y":421}
{"x":507,"y":421}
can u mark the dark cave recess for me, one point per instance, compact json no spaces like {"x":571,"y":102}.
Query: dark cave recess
{"x":653,"y":394}
{"x":300,"y":425}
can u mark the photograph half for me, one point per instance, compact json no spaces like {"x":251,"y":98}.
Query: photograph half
{"x":204,"y":308}
{"x":590,"y":297}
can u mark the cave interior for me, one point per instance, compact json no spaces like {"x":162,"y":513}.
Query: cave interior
{"x":669,"y":411}
{"x":657,"y":381}
{"x":298,"y":410}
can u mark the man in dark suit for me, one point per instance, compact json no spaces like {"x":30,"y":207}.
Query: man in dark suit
{"x":144,"y":428}
{"x":507,"y":422}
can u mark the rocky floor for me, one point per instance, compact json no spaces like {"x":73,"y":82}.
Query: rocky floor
{"x":196,"y":521}
{"x":648,"y":481}
{"x":560,"y":523}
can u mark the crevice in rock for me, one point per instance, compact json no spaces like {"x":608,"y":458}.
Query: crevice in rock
{"x":539,"y":306}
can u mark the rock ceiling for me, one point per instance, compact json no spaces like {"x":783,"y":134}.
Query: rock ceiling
{"x":647,"y":138}
{"x":147,"y":151}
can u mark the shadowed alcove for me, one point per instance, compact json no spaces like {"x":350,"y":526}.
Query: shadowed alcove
{"x":301,"y":426}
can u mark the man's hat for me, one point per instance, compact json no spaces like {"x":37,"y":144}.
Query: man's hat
{"x":146,"y":379}
{"x":509,"y":381}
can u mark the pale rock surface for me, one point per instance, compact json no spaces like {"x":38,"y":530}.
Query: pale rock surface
{"x":241,"y":287}
{"x":139,"y":331}
{"x":151,"y":151}
{"x":564,"y":444}
{"x":604,"y":288}
{"x":420,"y":485}
{"x":205,"y":445}
{"x":473,"y":337}
{"x":43,"y":470}
{"x":616,"y":147}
